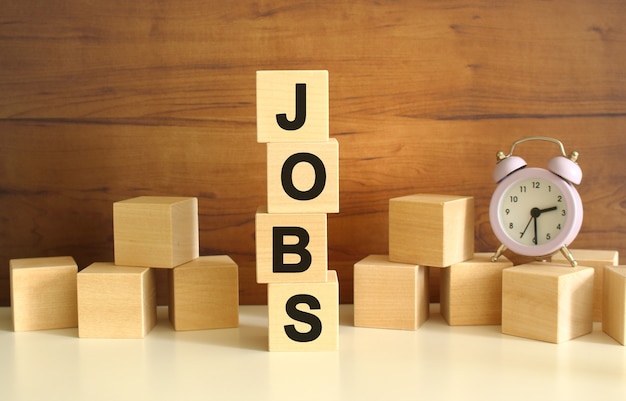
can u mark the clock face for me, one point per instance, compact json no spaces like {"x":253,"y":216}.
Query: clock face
{"x":533,"y":211}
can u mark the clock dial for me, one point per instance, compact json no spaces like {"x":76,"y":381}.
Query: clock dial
{"x":533,"y":211}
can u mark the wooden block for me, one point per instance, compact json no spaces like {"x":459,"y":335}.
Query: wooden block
{"x":547,"y":301}
{"x":431,"y":230}
{"x":304,"y":316}
{"x":292,"y":106}
{"x":291,"y":247}
{"x":471,"y":291}
{"x":155,"y":231}
{"x":204,"y":294}
{"x":597,"y":259}
{"x":116,"y":301}
{"x":390,"y":295}
{"x":614,"y":303}
{"x":303,"y":177}
{"x":43,"y":293}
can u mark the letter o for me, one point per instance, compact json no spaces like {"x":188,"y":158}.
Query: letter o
{"x":286,"y":176}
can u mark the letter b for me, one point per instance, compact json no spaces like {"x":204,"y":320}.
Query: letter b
{"x":279,"y":249}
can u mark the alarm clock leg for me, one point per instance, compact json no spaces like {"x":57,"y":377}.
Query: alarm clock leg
{"x":498,"y":253}
{"x":568,"y":255}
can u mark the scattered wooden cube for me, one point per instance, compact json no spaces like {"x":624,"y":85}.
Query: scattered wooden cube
{"x":291,"y":247}
{"x":303,"y":177}
{"x":155,"y":231}
{"x":116,"y":301}
{"x":282,"y":116}
{"x":431,"y":230}
{"x":471,"y":291}
{"x":204,"y":294}
{"x":547,"y":301}
{"x":597,"y":259}
{"x":390,"y":295}
{"x":43,"y":293}
{"x":304,"y":316}
{"x":614,"y":305}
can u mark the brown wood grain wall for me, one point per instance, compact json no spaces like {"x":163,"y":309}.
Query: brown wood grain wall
{"x":103,"y":101}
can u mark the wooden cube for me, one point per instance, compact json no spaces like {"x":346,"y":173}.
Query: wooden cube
{"x":431,"y":230}
{"x":597,"y":259}
{"x":204,"y":294}
{"x":303,"y":177}
{"x":155,"y":231}
{"x":43,"y":293}
{"x":547,"y":302}
{"x":291,"y":247}
{"x":390,"y":295}
{"x":614,"y":305}
{"x":116,"y":301}
{"x":292,"y":106}
{"x":471,"y":291}
{"x":304,"y":316}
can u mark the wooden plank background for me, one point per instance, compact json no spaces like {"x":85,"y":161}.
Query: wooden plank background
{"x":106,"y":100}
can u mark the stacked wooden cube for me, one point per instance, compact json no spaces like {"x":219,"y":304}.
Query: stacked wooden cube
{"x":554,"y":302}
{"x":118,"y":299}
{"x":542,"y":301}
{"x":291,"y":231}
{"x":426,"y":231}
{"x":153,"y":232}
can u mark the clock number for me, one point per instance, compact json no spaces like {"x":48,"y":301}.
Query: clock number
{"x":558,"y":226}
{"x":536,"y":184}
{"x":559,"y":199}
{"x":511,"y":226}
{"x":563,"y":212}
{"x":549,"y":188}
{"x":507,"y":211}
{"x":522,"y":188}
{"x":548,"y":237}
{"x":513,"y":198}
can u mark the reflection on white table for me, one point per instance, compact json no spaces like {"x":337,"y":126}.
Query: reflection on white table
{"x":436,"y":362}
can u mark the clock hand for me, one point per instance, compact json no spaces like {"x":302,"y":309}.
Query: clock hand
{"x":527,"y":225}
{"x":535,"y":239}
{"x":536,"y":212}
{"x":549,"y":209}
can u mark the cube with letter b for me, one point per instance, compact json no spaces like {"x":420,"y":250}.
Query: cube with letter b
{"x":291,"y":247}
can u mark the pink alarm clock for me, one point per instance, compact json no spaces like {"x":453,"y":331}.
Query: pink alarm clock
{"x":533,"y":211}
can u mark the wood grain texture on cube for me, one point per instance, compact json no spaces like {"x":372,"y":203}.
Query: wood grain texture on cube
{"x":547,"y":302}
{"x":154,"y":231}
{"x":471,"y":291}
{"x":204,"y":294}
{"x":43,"y":293}
{"x":431,"y":230}
{"x":597,"y":259}
{"x":116,"y":301}
{"x":390,"y":295}
{"x":326,"y":312}
{"x":304,"y":176}
{"x":614,"y":305}
{"x":276,"y":94}
{"x":315,"y":227}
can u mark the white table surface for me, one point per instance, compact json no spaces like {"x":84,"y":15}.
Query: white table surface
{"x":435,"y":362}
